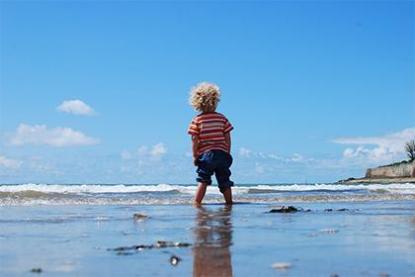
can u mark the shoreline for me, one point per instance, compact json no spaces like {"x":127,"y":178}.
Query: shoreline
{"x":378,"y":180}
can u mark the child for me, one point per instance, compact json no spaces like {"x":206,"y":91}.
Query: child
{"x":211,"y":141}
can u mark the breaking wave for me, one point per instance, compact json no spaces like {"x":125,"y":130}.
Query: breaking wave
{"x":28,"y":194}
{"x":46,"y":188}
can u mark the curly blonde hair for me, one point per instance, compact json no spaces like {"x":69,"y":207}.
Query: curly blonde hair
{"x":204,"y":97}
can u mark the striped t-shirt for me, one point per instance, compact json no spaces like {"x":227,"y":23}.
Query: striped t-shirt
{"x":210,"y":128}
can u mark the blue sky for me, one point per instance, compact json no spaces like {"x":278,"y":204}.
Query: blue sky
{"x":317,"y":91}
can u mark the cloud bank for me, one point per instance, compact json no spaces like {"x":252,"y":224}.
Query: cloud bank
{"x":145,"y":153}
{"x":383,"y":148}
{"x":9,"y":163}
{"x":56,"y":137}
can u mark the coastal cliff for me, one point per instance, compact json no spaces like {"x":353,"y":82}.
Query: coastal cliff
{"x":396,"y":170}
{"x":402,"y":172}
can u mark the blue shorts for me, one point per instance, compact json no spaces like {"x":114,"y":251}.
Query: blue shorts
{"x":215,"y":162}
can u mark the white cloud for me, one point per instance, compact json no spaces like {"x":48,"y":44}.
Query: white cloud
{"x":296,"y":158}
{"x":244,"y":152}
{"x":56,"y":137}
{"x":75,"y":106}
{"x":145,"y":152}
{"x":384,"y":148}
{"x":9,"y":163}
{"x":394,"y":142}
{"x":142,"y":161}
{"x":259,"y":169}
{"x":158,"y":150}
{"x":260,"y":156}
{"x":274,"y":157}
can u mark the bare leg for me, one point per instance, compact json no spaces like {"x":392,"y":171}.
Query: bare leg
{"x":200,"y":193}
{"x":227,"y":194}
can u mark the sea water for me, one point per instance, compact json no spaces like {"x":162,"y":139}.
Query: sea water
{"x":107,"y":194}
{"x":72,"y":230}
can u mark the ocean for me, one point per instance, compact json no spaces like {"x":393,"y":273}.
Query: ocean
{"x":166,"y":194}
{"x":154,"y":230}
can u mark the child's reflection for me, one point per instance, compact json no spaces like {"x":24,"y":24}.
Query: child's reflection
{"x":213,"y":237}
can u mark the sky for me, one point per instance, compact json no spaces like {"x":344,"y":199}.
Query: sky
{"x":97,"y":92}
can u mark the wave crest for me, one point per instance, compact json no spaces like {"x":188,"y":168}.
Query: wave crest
{"x":120,"y":188}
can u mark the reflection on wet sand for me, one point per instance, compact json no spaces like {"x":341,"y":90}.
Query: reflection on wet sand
{"x":213,"y":237}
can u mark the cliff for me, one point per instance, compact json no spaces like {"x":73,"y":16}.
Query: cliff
{"x":397,"y":170}
{"x":402,"y":172}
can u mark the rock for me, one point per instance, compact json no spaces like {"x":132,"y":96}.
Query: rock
{"x":142,"y":247}
{"x":123,"y":248}
{"x":284,"y":209}
{"x":282,"y":266}
{"x":124,"y":253}
{"x":139,"y":217}
{"x":396,"y":170}
{"x":118,"y":249}
{"x":174,"y":260}
{"x":159,"y":244}
{"x":162,"y":244}
{"x":345,"y":180}
{"x":134,"y":247}
{"x":182,"y":244}
{"x":339,"y":210}
{"x":36,"y":270}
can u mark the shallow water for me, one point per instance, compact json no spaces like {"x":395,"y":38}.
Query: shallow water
{"x":367,"y":239}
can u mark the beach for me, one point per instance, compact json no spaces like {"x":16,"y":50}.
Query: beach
{"x":111,"y":113}
{"x":127,"y":230}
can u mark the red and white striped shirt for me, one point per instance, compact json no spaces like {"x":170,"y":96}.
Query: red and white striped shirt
{"x":210,"y":128}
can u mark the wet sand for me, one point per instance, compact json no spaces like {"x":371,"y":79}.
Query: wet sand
{"x":343,"y":238}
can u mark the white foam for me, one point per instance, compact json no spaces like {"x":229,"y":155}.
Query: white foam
{"x":407,"y":187}
{"x":75,"y":189}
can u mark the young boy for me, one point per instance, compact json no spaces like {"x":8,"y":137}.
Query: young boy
{"x":211,"y":141}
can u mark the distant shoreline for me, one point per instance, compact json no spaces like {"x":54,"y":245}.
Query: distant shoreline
{"x":399,"y":180}
{"x":398,"y":172}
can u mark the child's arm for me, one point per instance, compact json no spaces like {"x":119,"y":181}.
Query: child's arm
{"x":195,"y":146}
{"x":228,"y":141}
